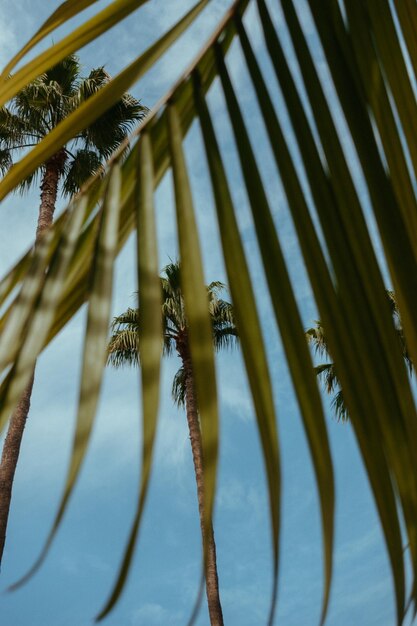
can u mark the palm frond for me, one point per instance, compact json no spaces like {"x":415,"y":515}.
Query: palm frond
{"x":339,"y":407}
{"x":13,"y":130}
{"x":317,"y":338}
{"x":84,"y":164}
{"x":65,"y":75}
{"x":178,"y":388}
{"x":30,"y":181}
{"x":363,"y":46}
{"x":326,"y":372}
{"x":123,"y":348}
{"x":97,"y":78}
{"x":31,"y":108}
{"x":328,"y":376}
{"x":221,"y":312}
{"x":5,"y":161}
{"x":171,"y":282}
{"x":225,"y":337}
{"x":35,"y":100}
{"x":215,"y":287}
{"x":111,"y":128}
{"x":172,"y":301}
{"x":399,"y":327}
{"x":129,"y":319}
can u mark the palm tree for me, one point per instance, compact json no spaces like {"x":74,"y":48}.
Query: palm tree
{"x":327,"y":371}
{"x":33,"y":113}
{"x":124,"y":347}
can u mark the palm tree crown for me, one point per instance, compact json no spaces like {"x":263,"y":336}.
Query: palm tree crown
{"x":45,"y":102}
{"x":327,"y":371}
{"x":124,"y":343}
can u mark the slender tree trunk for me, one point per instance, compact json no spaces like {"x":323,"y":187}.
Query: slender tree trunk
{"x":49,"y":190}
{"x":11,"y":447}
{"x":10,"y":456}
{"x":212,"y":581}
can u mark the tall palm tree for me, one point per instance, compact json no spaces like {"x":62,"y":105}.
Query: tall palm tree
{"x":327,"y":371}
{"x":124,"y":347}
{"x":33,"y":113}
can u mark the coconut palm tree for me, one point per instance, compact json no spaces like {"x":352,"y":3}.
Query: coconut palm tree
{"x":327,"y":371}
{"x":124,"y":348}
{"x":33,"y":113}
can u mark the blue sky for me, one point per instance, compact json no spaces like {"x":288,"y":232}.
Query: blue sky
{"x":77,"y":576}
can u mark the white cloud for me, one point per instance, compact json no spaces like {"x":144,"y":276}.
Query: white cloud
{"x":152,"y":614}
{"x":172,"y":443}
{"x":231,"y":496}
{"x":235,"y":495}
{"x":250,"y":600}
{"x":78,"y":563}
{"x":357,"y":549}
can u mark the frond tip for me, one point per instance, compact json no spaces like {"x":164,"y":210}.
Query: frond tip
{"x":123,"y":348}
{"x":178,"y":388}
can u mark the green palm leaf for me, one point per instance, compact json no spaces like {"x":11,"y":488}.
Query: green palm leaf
{"x":363,"y":51}
{"x":248,"y":324}
{"x":62,"y":14}
{"x":93,"y":28}
{"x":151,"y":342}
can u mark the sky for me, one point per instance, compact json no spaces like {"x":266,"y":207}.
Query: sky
{"x":77,"y":576}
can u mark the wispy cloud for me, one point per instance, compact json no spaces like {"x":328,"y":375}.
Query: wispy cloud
{"x":85,"y":564}
{"x":154,"y":615}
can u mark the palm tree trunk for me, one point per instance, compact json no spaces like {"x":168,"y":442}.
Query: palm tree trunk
{"x":212,"y":581}
{"x":11,"y":447}
{"x":9,"y":458}
{"x":49,"y":191}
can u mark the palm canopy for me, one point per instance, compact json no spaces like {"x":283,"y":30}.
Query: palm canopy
{"x":45,"y":102}
{"x":327,"y":371}
{"x":124,"y":344}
